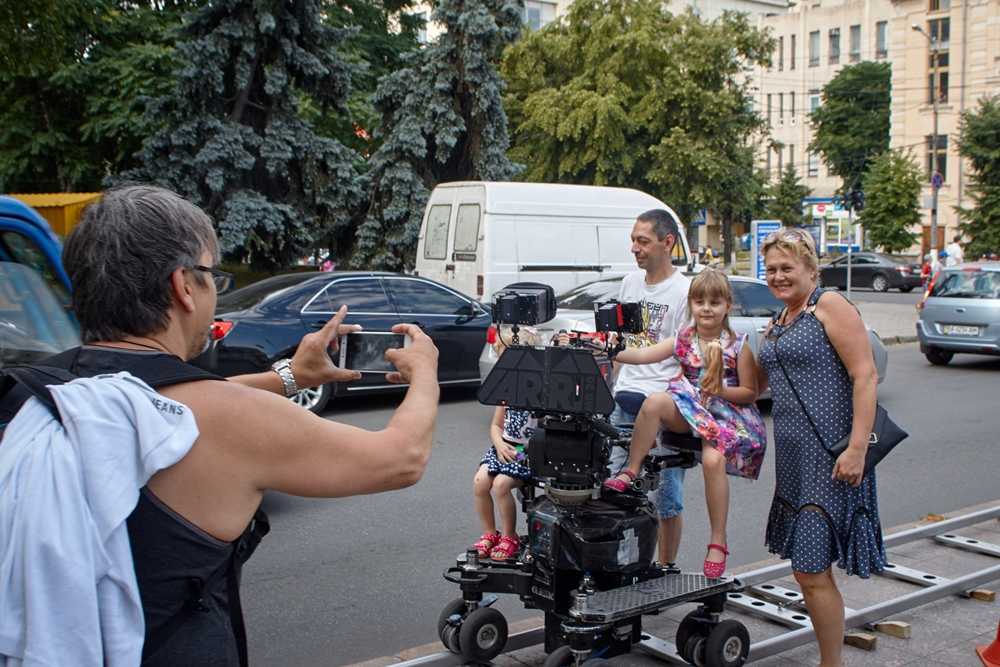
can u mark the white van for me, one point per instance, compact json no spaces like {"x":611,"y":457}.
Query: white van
{"x":478,"y":236}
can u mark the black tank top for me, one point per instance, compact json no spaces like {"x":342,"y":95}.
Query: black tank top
{"x":188,"y":580}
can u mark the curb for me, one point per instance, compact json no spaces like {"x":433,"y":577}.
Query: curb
{"x":897,"y":340}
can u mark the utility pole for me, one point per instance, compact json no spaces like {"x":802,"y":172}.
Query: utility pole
{"x":935,"y":176}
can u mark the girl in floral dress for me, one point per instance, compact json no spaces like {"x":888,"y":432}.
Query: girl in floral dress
{"x":714,"y":395}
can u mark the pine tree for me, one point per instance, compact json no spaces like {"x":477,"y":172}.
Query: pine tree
{"x":892,"y":190}
{"x":442,"y":120}
{"x":786,"y":198}
{"x":234,"y":140}
{"x":980,"y":145}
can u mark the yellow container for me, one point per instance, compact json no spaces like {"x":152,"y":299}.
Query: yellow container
{"x":62,"y":210}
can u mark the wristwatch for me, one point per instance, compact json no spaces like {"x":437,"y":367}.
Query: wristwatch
{"x":283,"y":367}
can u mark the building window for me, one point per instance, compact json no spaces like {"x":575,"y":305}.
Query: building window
{"x":781,"y":108}
{"x":791,"y":155}
{"x":942,"y":156}
{"x":813,"y":100}
{"x":881,"y":39}
{"x":812,"y":165}
{"x":855,"y":43}
{"x":834,"y":46}
{"x":781,"y":53}
{"x":769,"y":123}
{"x":939,"y":5}
{"x":791,"y":52}
{"x":422,"y":30}
{"x":777,"y":151}
{"x":768,"y":169}
{"x":940,"y":32}
{"x":538,"y":13}
{"x":814,"y":48}
{"x":791,"y":105}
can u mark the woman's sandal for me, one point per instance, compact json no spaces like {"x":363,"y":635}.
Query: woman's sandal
{"x":715,"y":570}
{"x":619,"y":485}
{"x":486,"y":543}
{"x":506,"y":549}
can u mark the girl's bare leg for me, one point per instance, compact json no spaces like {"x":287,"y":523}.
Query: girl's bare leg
{"x":713,"y":466}
{"x":481,"y":485}
{"x":503,"y":489}
{"x":657,"y":410}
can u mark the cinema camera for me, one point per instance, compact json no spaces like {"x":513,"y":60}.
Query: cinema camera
{"x":587,"y":561}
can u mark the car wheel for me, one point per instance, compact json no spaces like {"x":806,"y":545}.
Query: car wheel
{"x":938,"y":357}
{"x":315,"y":399}
{"x":880,"y":283}
{"x":906,"y":289}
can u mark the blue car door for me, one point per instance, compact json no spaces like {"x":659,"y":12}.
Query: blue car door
{"x":455,"y":323}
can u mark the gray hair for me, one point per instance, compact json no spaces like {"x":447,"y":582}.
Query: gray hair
{"x":121,"y":254}
{"x":663,"y":223}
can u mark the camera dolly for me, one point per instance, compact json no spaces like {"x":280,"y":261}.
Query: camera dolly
{"x":593,"y":606}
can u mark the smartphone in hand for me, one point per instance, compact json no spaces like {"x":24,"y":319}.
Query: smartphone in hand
{"x":364,"y":351}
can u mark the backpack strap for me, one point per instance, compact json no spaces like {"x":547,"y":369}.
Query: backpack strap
{"x":19,"y":383}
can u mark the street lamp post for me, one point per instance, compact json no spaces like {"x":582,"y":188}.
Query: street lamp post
{"x":935,"y":178}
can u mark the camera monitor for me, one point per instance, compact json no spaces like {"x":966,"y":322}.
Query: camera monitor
{"x":551,"y":379}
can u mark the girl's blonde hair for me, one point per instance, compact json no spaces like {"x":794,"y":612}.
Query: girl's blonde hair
{"x":525,"y":336}
{"x":712,"y":284}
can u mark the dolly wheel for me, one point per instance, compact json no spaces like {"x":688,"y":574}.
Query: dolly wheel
{"x":448,"y":633}
{"x":483,"y":635}
{"x":728,"y":645}
{"x":690,"y":638}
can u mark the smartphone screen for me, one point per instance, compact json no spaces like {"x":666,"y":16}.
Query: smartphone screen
{"x":365,"y":351}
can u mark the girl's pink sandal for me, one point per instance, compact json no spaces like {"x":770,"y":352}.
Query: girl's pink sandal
{"x":715,"y":570}
{"x":620,"y":485}
{"x":506,"y":549}
{"x":486,"y":543}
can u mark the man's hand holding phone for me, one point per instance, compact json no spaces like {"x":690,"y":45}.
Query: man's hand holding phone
{"x":419,"y":358}
{"x":312,"y":363}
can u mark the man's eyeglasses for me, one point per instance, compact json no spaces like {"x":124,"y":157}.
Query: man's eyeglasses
{"x":223,"y":279}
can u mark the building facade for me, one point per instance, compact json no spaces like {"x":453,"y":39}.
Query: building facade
{"x":816,"y":39}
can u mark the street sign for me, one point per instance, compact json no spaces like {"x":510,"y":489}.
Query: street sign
{"x":700,"y":217}
{"x":937,"y":180}
{"x":759,"y":229}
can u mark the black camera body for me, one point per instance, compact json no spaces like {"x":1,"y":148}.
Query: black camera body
{"x":524,"y":303}
{"x":622,"y":318}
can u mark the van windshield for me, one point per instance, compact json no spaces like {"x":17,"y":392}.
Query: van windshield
{"x":33,"y":322}
{"x":968,"y":284}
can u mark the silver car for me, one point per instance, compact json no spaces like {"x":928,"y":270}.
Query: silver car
{"x":961,"y":313}
{"x":753,"y":308}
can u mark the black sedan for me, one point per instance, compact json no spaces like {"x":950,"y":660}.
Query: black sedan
{"x":870,"y":269}
{"x":263,"y":322}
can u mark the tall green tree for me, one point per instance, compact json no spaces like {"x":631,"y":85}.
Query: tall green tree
{"x":748,"y":190}
{"x":979,"y":143}
{"x":623,"y":92}
{"x":442,"y":120}
{"x":785,"y":198}
{"x":892,"y":187}
{"x":851,"y":127}
{"x":233,"y":138}
{"x":76,"y":79}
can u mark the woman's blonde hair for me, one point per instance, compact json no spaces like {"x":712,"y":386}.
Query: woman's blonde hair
{"x":712,"y":284}
{"x":795,"y":241}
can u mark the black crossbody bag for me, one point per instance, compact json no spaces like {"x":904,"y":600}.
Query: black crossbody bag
{"x":884,"y":436}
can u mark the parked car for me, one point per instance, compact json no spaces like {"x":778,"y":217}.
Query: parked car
{"x":961,"y":312}
{"x":871,"y":269}
{"x":35,"y":316}
{"x":263,"y":322}
{"x":753,"y":308}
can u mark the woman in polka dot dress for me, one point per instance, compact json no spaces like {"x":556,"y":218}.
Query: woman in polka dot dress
{"x":824,"y":511}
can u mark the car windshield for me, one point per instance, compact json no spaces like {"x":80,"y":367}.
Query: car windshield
{"x":968,"y":284}
{"x":583,"y":296}
{"x":251,"y":295}
{"x":33,"y":322}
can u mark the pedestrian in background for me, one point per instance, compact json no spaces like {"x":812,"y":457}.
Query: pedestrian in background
{"x":817,"y":359}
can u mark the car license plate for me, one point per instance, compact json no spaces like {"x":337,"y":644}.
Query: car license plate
{"x":959,"y":330}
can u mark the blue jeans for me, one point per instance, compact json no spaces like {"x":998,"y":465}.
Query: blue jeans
{"x":669,"y":496}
